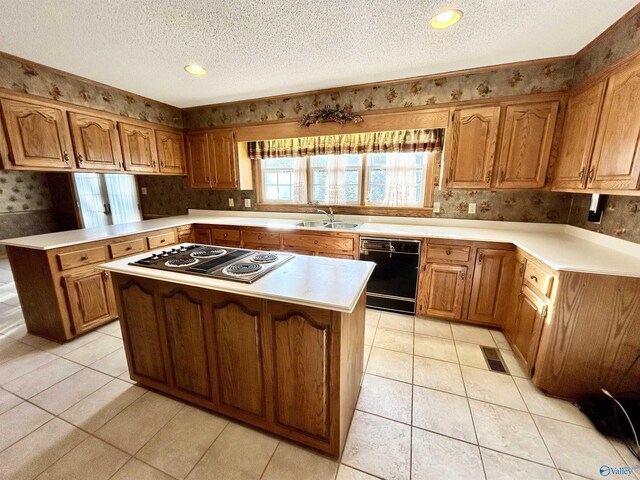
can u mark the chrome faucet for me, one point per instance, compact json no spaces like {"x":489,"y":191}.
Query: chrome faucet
{"x":330,"y":214}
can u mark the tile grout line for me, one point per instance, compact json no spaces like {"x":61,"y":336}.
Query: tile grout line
{"x":206,"y":450}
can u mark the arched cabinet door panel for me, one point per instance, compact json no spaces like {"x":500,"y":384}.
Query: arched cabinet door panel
{"x":139,"y":149}
{"x":142,"y":333}
{"x":170,"y":152}
{"x":186,"y":341}
{"x":301,"y":342}
{"x":96,"y":142}
{"x":239,"y":355}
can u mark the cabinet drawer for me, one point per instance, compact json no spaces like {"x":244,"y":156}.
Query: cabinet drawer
{"x":261,"y":238}
{"x":226,"y":235}
{"x":130,"y":247}
{"x":319,"y":243}
{"x":538,"y":279}
{"x":81,"y":257}
{"x":161,"y":240}
{"x":454,"y":253}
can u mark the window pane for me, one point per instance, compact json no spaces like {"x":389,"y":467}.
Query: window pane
{"x":278,"y":177}
{"x":395,"y":179}
{"x":271,"y":192}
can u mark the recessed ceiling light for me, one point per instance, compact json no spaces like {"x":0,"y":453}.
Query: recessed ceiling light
{"x":195,"y":70}
{"x":446,"y":19}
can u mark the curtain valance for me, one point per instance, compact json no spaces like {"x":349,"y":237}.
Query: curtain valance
{"x":374,"y":142}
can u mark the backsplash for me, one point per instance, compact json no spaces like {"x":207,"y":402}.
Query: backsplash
{"x":173,"y":196}
{"x":620,"y":219}
{"x":27,"y":77}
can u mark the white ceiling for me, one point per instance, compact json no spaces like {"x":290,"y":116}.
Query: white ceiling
{"x":268,"y":47}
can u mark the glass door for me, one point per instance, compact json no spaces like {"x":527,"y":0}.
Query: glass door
{"x":106,"y":199}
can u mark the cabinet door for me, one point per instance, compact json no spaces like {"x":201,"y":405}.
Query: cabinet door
{"x":472,"y":147}
{"x":90,"y":299}
{"x":526,"y":145}
{"x":203,"y":235}
{"x":239,"y":354}
{"x":490,"y":288}
{"x":198,"y":160}
{"x":170,"y":152}
{"x":530,"y":315}
{"x":138,"y":148}
{"x":445,"y":290}
{"x":96,"y":142}
{"x":186,"y":340}
{"x":302,"y":352}
{"x":225,"y":159}
{"x":616,"y":156}
{"x":578,"y":136}
{"x":142,"y":334}
{"x":38,"y":135}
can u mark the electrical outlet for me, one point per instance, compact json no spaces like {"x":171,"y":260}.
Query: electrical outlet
{"x":436,"y":207}
{"x":472,"y":208}
{"x":143,"y":190}
{"x":231,"y":202}
{"x":247,"y":203}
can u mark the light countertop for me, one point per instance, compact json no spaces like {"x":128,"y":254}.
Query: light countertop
{"x":331,"y":283}
{"x":561,"y":247}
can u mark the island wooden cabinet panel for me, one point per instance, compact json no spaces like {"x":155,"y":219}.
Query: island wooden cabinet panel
{"x":527,"y":136}
{"x":96,"y":142}
{"x":301,"y":368}
{"x":472,"y":147}
{"x":90,"y":299}
{"x":492,"y":278}
{"x":142,"y":331}
{"x":616,"y":156}
{"x":446,"y":285}
{"x":139,"y":149}
{"x":578,"y":136}
{"x":38,"y":135}
{"x":185,"y":325}
{"x":239,"y":359}
{"x":171,"y":152}
{"x":129,"y":247}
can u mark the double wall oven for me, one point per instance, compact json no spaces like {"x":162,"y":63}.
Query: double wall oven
{"x":394,"y":283}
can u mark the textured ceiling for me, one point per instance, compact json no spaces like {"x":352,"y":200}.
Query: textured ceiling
{"x":268,"y":47}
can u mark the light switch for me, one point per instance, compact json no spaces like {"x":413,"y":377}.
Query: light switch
{"x":436,"y":207}
{"x":247,"y":203}
{"x":472,"y":208}
{"x":143,"y":190}
{"x":231,"y":202}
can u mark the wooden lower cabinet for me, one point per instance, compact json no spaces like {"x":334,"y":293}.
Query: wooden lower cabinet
{"x":529,"y":316}
{"x":289,"y":369}
{"x":446,"y":285}
{"x":90,"y":299}
{"x":492,"y":278}
{"x":203,"y":235}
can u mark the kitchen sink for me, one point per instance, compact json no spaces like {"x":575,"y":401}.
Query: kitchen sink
{"x":342,"y":225}
{"x":338,"y":225}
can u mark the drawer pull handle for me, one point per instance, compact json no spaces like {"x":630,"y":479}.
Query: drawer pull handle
{"x":448,"y":251}
{"x":462,"y":275}
{"x":315,"y":242}
{"x":534,"y":278}
{"x":84,"y":258}
{"x":163,"y":240}
{"x":259,"y":237}
{"x":129,"y":248}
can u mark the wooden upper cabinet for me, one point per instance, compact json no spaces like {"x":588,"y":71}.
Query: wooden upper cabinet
{"x":199,"y":164}
{"x":616,"y":156}
{"x":170,"y":152}
{"x":224,"y":159}
{"x":445,"y":290}
{"x":578,"y":136}
{"x":96,"y":142}
{"x":491,"y":285}
{"x":472,"y":147}
{"x":38,"y":135}
{"x":90,"y":299}
{"x":527,"y":136}
{"x":138,"y":148}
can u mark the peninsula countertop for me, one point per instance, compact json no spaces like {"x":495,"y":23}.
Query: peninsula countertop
{"x":330,"y":283}
{"x":562,"y":247}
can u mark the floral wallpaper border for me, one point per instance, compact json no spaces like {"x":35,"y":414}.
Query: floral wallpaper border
{"x":28,"y":77}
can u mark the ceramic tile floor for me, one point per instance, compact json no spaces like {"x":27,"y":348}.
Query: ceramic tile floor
{"x":429,"y":409}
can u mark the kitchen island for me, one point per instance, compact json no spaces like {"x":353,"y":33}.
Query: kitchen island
{"x":284,"y":353}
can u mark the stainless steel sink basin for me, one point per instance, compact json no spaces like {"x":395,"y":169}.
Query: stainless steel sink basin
{"x":338,"y":225}
{"x":342,"y":225}
{"x":311,"y":224}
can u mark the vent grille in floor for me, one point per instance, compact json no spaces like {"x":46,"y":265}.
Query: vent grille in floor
{"x":494,"y":360}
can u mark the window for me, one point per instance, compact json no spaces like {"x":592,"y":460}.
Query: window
{"x":396,"y":169}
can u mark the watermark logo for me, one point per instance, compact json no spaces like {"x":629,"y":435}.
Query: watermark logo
{"x":606,"y":470}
